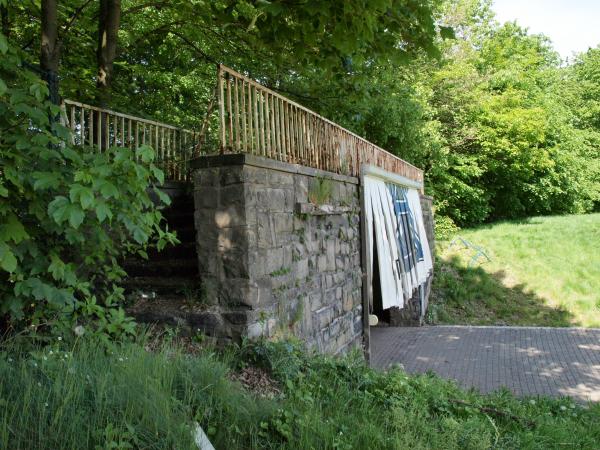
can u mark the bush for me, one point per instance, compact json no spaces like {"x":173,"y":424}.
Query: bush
{"x":445,"y":228}
{"x":67,"y":216}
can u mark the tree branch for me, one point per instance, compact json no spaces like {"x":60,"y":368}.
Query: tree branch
{"x":75,"y":15}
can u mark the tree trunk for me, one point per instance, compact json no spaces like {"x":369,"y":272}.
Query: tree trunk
{"x":108,"y":27}
{"x":5,"y":21}
{"x":50,"y":49}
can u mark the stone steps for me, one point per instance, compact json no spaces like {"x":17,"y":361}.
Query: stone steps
{"x":163,"y":286}
{"x":162,"y":268}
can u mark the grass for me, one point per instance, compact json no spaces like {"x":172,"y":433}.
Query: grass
{"x":59,"y":397}
{"x":544,"y":271}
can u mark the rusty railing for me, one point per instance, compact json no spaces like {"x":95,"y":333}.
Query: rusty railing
{"x":101,"y":128}
{"x":257,"y":120}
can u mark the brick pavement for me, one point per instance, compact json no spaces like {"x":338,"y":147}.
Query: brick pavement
{"x":526,"y":360}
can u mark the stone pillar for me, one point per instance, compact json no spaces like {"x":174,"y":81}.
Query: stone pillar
{"x":271,"y":262}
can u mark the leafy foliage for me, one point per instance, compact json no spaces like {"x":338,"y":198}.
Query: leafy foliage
{"x":501,"y":128}
{"x":66,"y":216}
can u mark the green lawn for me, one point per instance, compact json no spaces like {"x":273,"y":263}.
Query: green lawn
{"x":544,"y":271}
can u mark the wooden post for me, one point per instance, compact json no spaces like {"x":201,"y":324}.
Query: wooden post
{"x":365,"y":264}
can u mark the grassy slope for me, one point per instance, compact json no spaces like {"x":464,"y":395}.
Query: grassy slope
{"x":57,"y":398}
{"x":543,"y":271}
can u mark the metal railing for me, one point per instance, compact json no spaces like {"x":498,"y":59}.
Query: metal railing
{"x":102,"y":128}
{"x":257,"y":120}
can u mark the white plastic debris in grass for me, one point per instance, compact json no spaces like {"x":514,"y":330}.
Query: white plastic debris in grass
{"x":201,"y":439}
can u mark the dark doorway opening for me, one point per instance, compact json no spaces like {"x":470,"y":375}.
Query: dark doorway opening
{"x":382,"y":314}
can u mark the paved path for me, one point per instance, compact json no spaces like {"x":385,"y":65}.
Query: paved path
{"x":526,"y":360}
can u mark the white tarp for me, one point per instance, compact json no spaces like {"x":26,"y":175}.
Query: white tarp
{"x":400,"y":274}
{"x":378,"y":201}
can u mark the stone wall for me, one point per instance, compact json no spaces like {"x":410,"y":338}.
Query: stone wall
{"x":428,"y":221}
{"x":272,"y":262}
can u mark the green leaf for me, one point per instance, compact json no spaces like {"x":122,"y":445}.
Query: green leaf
{"x":76,"y":216}
{"x":45,"y":180}
{"x":3,"y":87}
{"x":103,"y":211}
{"x":8,"y":261}
{"x":164,"y":198}
{"x":145,"y":153}
{"x":139,"y":235}
{"x":58,"y":209}
{"x":109,"y":190}
{"x":158,"y":174}
{"x":56,"y":268}
{"x":13,"y":230}
{"x":83,"y":194}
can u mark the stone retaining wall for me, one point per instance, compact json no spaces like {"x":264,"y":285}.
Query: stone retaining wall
{"x":273,"y":263}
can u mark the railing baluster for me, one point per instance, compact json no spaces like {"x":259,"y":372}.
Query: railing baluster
{"x":229,"y":112}
{"x":261,"y":114}
{"x":245,"y":146}
{"x":221,"y":107}
{"x":255,"y":101}
{"x":237,"y":116}
{"x":250,"y":120}
{"x":91,"y":126}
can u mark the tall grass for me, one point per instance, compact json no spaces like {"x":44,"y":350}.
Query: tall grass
{"x":543,"y":271}
{"x":129,"y":398}
{"x":85,"y":397}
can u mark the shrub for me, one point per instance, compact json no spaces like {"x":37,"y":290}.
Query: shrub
{"x":66,"y":216}
{"x":445,"y":228}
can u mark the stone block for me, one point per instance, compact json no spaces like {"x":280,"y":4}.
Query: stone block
{"x":209,"y":263}
{"x":301,"y":189}
{"x":330,"y":248}
{"x":273,"y":259}
{"x":265,"y":230}
{"x":322,"y":263}
{"x":284,"y":222}
{"x":235,"y":264}
{"x":237,"y":292}
{"x":265,"y":296}
{"x":301,"y":269}
{"x":231,"y":175}
{"x":271,"y":200}
{"x":230,"y":239}
{"x":255,"y":175}
{"x":277,"y":178}
{"x":230,"y":216}
{"x":232,"y":195}
{"x":236,"y":317}
{"x":206,"y":177}
{"x":347,"y":302}
{"x":206,"y":197}
{"x":324,"y":316}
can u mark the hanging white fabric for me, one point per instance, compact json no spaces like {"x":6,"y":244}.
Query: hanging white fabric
{"x":394,"y":217}
{"x":380,"y":224}
{"x":424,"y":267}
